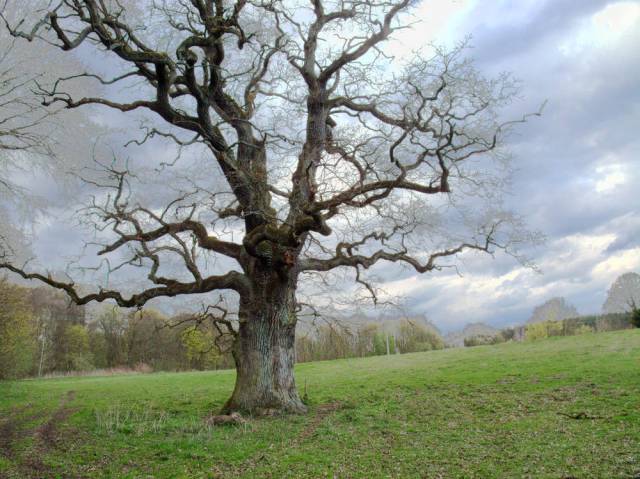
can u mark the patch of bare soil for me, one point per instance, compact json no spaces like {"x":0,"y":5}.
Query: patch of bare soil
{"x":49,"y":433}
{"x":12,"y":429}
{"x":8,"y":430}
{"x":579,"y":415}
{"x":47,"y":436}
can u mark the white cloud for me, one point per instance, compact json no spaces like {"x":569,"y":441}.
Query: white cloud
{"x":617,"y":264}
{"x":617,"y":19}
{"x":578,"y":267}
{"x":605,"y":28}
{"x":431,"y":19}
{"x":609,"y":177}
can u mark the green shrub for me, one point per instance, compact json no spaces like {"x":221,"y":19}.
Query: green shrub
{"x":583,"y":329}
{"x":483,"y":339}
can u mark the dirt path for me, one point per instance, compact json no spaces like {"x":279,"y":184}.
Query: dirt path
{"x":13,"y":429}
{"x":48,"y":433}
{"x":47,"y":436}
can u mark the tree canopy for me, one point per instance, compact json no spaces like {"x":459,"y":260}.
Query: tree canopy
{"x":323,"y":150}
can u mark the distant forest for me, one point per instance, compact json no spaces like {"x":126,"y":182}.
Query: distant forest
{"x":42,"y":333}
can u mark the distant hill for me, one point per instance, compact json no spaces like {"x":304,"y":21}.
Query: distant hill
{"x":456,"y":339}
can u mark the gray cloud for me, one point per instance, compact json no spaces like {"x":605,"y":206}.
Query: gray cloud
{"x":577,"y":167}
{"x":504,"y":30}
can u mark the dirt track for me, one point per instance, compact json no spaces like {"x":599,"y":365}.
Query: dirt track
{"x":47,"y":436}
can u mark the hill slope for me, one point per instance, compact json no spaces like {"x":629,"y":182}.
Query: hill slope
{"x":564,"y":407}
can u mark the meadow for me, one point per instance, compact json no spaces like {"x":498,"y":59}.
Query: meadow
{"x":566,"y":407}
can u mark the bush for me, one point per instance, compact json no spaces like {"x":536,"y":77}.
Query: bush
{"x":508,"y":334}
{"x":545,"y":329}
{"x":536,"y":331}
{"x":480,"y":340}
{"x":583,"y":329}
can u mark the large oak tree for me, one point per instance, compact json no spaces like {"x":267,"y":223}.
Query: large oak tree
{"x":333,"y":155}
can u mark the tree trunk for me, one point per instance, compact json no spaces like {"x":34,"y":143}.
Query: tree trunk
{"x":264,"y":350}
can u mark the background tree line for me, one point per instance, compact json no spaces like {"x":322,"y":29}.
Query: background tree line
{"x":368,"y":339}
{"x":557,"y":317}
{"x":549,"y":328}
{"x":42,"y":333}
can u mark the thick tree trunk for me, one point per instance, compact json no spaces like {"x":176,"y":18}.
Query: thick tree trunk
{"x":264,"y":350}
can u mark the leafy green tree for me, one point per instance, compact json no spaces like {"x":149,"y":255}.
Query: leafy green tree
{"x":112,"y":325}
{"x":544,"y":329}
{"x":414,"y":337}
{"x":17,"y":338}
{"x":150,"y":340}
{"x":380,"y":344}
{"x":583,"y":329}
{"x":75,"y":354}
{"x":98,"y":346}
{"x":54,"y":314}
{"x":200,"y":348}
{"x":536,"y":331}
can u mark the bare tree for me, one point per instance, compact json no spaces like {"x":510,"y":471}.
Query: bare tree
{"x":19,"y":115}
{"x":624,"y":294}
{"x":555,"y":309}
{"x":333,"y":155}
{"x":32,"y":137}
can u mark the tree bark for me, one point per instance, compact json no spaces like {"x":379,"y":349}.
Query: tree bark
{"x":264,"y":349}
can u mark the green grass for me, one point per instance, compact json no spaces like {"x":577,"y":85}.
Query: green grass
{"x":565,"y":407}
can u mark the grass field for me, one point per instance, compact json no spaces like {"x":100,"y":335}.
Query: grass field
{"x":559,"y":408}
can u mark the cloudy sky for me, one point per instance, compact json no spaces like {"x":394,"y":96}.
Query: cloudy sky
{"x":577,"y":167}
